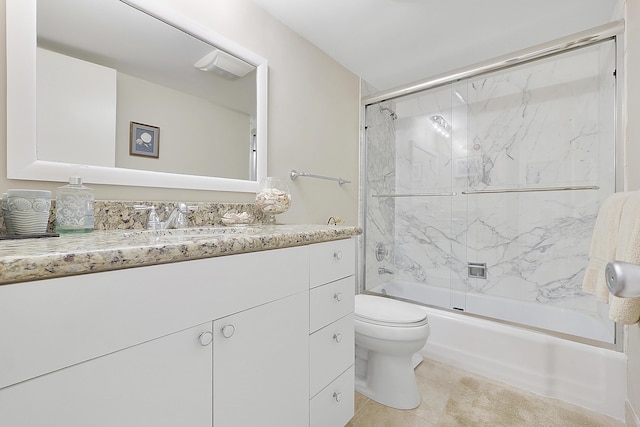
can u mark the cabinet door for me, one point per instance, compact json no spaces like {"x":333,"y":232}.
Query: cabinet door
{"x":261,"y":365}
{"x":163,"y":382}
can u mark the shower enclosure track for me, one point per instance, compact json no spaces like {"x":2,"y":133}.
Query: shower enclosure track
{"x":584,"y":38}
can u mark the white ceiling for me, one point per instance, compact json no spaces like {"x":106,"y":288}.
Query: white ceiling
{"x":391,"y":43}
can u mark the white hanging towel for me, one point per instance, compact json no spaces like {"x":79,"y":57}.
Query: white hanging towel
{"x":604,"y":242}
{"x":616,"y":236}
{"x":627,"y":310}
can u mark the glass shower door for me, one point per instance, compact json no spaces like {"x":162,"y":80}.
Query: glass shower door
{"x":541,"y":147}
{"x":481,"y":195}
{"x":410,"y":199}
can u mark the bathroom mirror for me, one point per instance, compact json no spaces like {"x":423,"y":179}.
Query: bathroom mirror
{"x":199,"y":98}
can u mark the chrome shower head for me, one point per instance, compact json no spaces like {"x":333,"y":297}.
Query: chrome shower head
{"x":392,"y":113}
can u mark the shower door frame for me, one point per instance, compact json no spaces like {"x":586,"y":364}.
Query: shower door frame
{"x":611,"y":31}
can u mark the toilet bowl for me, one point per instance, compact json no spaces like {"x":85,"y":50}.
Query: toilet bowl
{"x":388,"y":334}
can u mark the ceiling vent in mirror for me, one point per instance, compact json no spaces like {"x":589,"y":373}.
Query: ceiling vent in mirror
{"x":222,"y":63}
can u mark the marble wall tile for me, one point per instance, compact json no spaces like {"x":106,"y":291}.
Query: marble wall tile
{"x":543,"y":124}
{"x":380,"y":180}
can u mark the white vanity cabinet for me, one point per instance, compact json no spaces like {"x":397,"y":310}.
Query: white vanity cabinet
{"x":151,"y":346}
{"x":331,"y":333}
{"x":163,"y":382}
{"x":260,"y":364}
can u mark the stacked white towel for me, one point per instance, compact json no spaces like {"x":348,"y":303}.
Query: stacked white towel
{"x":616,"y":236}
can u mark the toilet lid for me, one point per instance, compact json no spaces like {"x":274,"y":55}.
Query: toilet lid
{"x":387,"y":310}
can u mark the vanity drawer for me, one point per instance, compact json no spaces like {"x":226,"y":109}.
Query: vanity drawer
{"x":330,"y":302}
{"x":331,"y":352}
{"x":334,"y":405}
{"x":331,"y":261}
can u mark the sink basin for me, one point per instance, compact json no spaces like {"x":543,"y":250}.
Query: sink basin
{"x":190,"y":233}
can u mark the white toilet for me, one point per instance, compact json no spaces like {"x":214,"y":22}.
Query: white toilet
{"x":388,"y":334}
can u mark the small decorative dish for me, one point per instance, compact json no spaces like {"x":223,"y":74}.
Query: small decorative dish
{"x":234,"y":218}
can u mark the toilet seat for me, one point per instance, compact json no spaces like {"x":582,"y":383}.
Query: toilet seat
{"x":388,"y":312}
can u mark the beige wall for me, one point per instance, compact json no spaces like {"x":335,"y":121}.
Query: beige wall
{"x":191,"y":140}
{"x":313,"y":116}
{"x":632,"y":167}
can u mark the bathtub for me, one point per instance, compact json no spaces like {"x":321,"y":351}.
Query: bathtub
{"x":582,"y":374}
{"x":552,"y":318}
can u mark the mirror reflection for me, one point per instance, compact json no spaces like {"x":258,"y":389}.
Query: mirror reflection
{"x":105,"y":68}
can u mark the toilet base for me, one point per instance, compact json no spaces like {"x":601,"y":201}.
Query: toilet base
{"x":389,"y":380}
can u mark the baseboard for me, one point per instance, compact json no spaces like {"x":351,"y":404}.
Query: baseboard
{"x":631,"y":418}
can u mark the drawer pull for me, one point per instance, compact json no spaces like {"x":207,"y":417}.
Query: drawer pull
{"x":337,"y":396}
{"x":337,"y":255}
{"x":205,"y":338}
{"x":337,"y":337}
{"x":228,"y":331}
{"x":337,"y":296}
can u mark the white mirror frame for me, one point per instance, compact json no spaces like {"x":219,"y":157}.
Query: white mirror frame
{"x":22,"y":161}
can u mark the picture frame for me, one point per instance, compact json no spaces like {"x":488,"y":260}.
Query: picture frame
{"x":144,"y":140}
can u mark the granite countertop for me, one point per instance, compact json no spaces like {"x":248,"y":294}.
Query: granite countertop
{"x":102,"y":250}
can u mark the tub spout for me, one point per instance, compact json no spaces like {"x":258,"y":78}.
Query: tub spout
{"x":383,"y":270}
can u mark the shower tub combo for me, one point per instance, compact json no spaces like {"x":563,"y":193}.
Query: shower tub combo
{"x":479,"y":203}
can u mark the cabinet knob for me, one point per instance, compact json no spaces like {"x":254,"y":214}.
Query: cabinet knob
{"x":337,"y":337}
{"x":337,"y":396}
{"x":337,"y":296}
{"x":337,"y":255}
{"x":228,"y":331}
{"x":205,"y":338}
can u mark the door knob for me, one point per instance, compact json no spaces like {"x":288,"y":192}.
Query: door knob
{"x":337,"y":396}
{"x":337,"y":337}
{"x":228,"y":331}
{"x":337,"y":255}
{"x":205,"y":338}
{"x":338,"y":296}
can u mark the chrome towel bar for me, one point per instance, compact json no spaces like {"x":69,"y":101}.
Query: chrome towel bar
{"x":413,"y":195}
{"x":295,"y":174}
{"x":490,"y":191}
{"x":533,"y":189}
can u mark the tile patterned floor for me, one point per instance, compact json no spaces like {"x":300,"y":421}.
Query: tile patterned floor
{"x":453,"y":397}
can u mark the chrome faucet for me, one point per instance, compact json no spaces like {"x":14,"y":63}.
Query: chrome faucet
{"x":383,"y":270}
{"x":176,"y":219}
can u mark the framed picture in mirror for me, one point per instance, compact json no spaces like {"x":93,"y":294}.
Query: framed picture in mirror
{"x":144,"y":140}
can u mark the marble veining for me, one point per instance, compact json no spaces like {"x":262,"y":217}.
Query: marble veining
{"x":547,"y":123}
{"x":103,"y":250}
